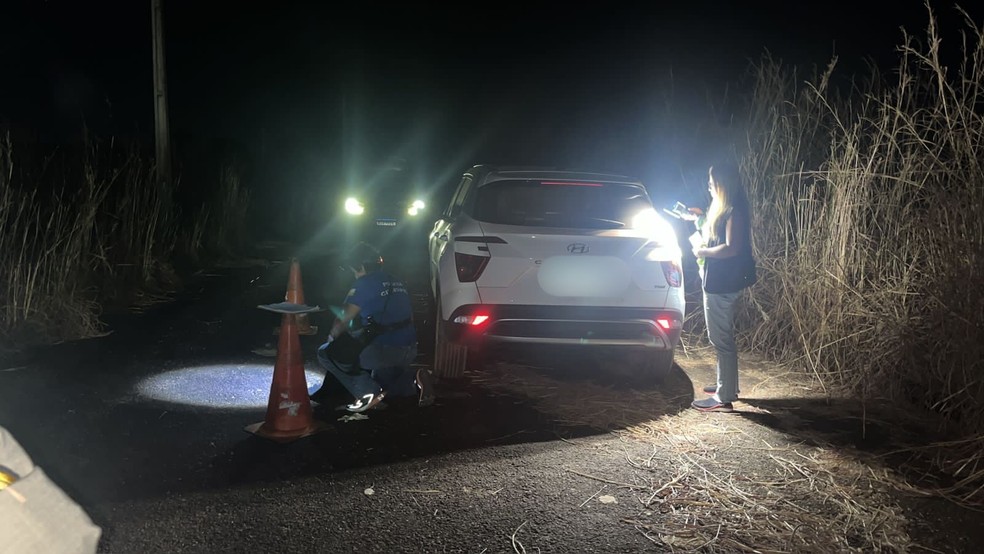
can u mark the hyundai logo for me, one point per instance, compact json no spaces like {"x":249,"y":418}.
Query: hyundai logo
{"x":577,"y":248}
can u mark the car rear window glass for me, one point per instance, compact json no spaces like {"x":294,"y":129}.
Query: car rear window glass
{"x":536,"y":203}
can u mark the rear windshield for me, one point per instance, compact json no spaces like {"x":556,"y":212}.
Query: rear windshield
{"x":536,"y":203}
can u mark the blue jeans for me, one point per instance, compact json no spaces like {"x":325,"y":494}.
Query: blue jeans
{"x":381,"y":367}
{"x":719,"y":314}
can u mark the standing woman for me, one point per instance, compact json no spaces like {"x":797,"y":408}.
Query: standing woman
{"x":726,"y":268}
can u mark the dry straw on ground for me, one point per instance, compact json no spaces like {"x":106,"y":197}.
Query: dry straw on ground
{"x":723,"y":482}
{"x":794,"y":499}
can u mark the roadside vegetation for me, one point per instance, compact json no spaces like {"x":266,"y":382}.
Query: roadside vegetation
{"x":870,"y":243}
{"x":90,"y":231}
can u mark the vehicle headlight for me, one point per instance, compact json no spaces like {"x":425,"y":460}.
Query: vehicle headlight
{"x":353,"y":206}
{"x":416,"y":207}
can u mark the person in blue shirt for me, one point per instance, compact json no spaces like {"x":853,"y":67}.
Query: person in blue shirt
{"x":377,"y":311}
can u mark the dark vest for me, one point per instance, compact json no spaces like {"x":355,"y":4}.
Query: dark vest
{"x":725,"y":275}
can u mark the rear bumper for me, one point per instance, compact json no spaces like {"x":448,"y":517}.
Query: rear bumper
{"x":657,"y":328}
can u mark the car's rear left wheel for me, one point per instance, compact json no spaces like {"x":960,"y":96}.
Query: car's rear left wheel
{"x":655,"y":367}
{"x":450,"y":359}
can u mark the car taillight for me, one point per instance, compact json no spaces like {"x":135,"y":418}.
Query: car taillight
{"x":673,"y":273}
{"x":668,"y":322}
{"x":474,"y":320}
{"x":469,"y":266}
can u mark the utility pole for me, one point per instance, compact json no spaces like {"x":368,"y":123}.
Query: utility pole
{"x":161,"y":128}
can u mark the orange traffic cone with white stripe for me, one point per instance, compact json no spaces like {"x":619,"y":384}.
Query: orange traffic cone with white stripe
{"x":295,"y":295}
{"x":288,"y":415}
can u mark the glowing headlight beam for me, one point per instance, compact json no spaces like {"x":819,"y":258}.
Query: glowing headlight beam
{"x":353,"y":206}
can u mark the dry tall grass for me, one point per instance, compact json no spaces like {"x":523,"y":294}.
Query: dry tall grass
{"x":234,"y":199}
{"x":219,"y":228}
{"x":44,"y":245}
{"x":79,"y":232}
{"x":869,"y":235}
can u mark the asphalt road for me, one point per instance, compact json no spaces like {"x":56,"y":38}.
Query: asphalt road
{"x":145,"y":429}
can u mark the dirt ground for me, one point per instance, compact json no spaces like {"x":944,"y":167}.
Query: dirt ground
{"x":791,"y":470}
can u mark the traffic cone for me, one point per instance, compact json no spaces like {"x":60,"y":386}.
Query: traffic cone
{"x":295,"y":295}
{"x":288,"y":415}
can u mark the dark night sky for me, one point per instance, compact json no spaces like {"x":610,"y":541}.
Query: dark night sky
{"x":305,"y":86}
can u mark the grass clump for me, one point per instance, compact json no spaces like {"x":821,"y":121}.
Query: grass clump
{"x":94,"y":229}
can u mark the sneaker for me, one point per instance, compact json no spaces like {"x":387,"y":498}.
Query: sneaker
{"x":711,"y":405}
{"x":367,"y":402}
{"x":426,"y":388}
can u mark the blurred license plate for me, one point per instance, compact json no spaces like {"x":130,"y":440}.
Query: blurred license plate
{"x":386,"y":222}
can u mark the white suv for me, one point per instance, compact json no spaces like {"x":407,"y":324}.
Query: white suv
{"x":542,"y":258}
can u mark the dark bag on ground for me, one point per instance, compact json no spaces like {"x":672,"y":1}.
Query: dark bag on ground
{"x":346,"y":349}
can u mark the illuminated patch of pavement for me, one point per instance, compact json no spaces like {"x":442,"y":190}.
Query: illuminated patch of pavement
{"x":230,"y":386}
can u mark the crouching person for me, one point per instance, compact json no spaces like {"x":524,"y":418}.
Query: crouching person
{"x":373,"y":360}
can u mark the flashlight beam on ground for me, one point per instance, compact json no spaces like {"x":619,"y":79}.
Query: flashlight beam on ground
{"x":226,"y":386}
